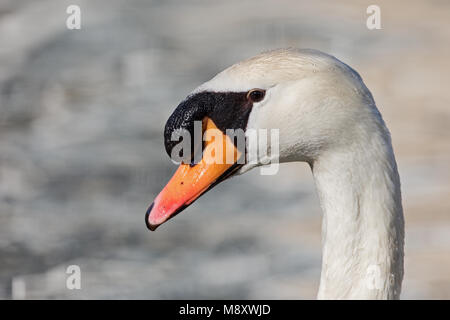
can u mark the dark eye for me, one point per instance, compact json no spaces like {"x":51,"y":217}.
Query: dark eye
{"x":256,"y":95}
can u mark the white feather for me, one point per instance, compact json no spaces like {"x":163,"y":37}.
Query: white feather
{"x":327,"y":117}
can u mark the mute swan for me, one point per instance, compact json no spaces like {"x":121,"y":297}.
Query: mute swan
{"x":327,"y":118}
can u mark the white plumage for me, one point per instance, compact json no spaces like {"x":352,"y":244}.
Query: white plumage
{"x":328,"y":118}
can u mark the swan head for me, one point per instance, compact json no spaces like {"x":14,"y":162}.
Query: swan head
{"x":314,"y":101}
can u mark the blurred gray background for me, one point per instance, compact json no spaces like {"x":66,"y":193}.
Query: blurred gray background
{"x":81,"y":151}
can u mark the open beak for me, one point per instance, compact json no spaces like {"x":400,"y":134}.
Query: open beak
{"x":189,"y":182}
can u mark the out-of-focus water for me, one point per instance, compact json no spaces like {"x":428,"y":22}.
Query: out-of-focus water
{"x":81,"y":150}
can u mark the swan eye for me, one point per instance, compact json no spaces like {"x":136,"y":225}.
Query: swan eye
{"x":256,"y":95}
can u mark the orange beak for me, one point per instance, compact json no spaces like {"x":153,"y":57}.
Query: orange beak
{"x":189,"y":182}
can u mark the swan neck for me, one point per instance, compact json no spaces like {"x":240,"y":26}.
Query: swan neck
{"x":363,"y":227}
